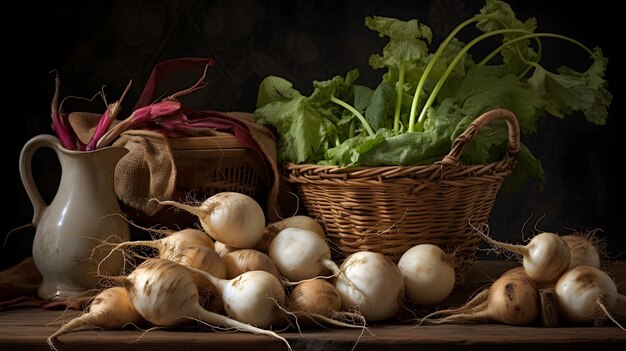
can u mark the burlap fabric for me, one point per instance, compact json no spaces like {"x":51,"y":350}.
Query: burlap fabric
{"x":149,"y":169}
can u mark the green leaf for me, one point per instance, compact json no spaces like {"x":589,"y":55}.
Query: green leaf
{"x":499,"y":15}
{"x":482,"y":91}
{"x":379,"y":111}
{"x":403,"y":45}
{"x":305,"y":132}
{"x":397,"y":29}
{"x":528,"y":166}
{"x":568,"y":91}
{"x":337,"y":86}
{"x":274,"y":89}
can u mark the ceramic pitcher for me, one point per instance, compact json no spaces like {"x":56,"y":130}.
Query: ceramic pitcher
{"x":83,"y":214}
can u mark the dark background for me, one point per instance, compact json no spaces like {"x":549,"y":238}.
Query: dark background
{"x":92,"y":44}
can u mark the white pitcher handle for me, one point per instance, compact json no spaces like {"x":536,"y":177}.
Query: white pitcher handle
{"x":26,"y":173}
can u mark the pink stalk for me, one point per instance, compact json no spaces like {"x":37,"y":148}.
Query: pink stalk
{"x":60,"y":121}
{"x":140,"y":116}
{"x":107,"y":118}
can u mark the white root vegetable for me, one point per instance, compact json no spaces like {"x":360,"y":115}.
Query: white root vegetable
{"x":165,"y":294}
{"x":223,"y":249}
{"x":301,"y":254}
{"x":586,"y":294}
{"x":245,"y":260}
{"x":319,"y":300}
{"x":202,"y":258}
{"x":545,"y":258}
{"x":582,"y":250}
{"x":110,"y":309}
{"x":371,"y":284}
{"x":512,"y":299}
{"x":254,"y":297}
{"x":234,"y":219}
{"x":172,"y":243}
{"x":207,"y":260}
{"x":300,"y":221}
{"x":428,"y":274}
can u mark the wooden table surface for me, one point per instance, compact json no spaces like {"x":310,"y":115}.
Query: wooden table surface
{"x":28,"y":329}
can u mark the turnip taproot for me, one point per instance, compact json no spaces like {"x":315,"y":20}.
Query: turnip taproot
{"x":172,"y":243}
{"x":110,"y":309}
{"x":165,"y":294}
{"x":512,"y":299}
{"x":545,"y":257}
{"x":234,"y":219}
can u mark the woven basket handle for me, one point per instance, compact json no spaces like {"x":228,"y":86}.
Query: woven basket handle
{"x":459,"y":144}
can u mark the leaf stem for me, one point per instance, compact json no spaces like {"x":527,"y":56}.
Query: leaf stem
{"x":343,"y":104}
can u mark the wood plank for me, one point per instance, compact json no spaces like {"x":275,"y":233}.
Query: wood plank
{"x":28,"y":330}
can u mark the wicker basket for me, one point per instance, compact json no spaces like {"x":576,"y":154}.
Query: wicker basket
{"x":206,"y":166}
{"x":389,"y":209}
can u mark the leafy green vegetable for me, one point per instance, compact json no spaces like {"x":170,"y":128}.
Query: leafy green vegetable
{"x":346,"y":124}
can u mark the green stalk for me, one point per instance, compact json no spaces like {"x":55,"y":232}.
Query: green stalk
{"x":431,"y":63}
{"x":366,"y":125}
{"x":399,"y":93}
{"x":457,"y":58}
{"x":351,"y":129}
{"x":530,"y":36}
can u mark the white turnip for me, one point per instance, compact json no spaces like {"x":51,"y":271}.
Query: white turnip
{"x":301,"y":254}
{"x":545,"y":257}
{"x":428,"y":274}
{"x":371,"y":284}
{"x":586,"y":294}
{"x":245,"y":260}
{"x":583,"y":252}
{"x":234,"y":219}
{"x":319,"y":300}
{"x":300,"y":221}
{"x":165,"y":294}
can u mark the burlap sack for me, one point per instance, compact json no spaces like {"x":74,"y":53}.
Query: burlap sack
{"x":147,"y":172}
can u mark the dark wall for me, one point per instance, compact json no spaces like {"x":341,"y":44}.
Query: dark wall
{"x":92,"y":44}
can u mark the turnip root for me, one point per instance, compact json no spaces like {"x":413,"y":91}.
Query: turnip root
{"x":545,"y":258}
{"x":165,"y":294}
{"x":202,"y":258}
{"x":234,"y":219}
{"x":173,"y":243}
{"x":253,"y":297}
{"x":223,"y":249}
{"x":207,"y":260}
{"x":371,"y":284}
{"x":582,"y":251}
{"x":428,"y":274}
{"x":319,"y":300}
{"x":586,"y":294}
{"x":272,"y":229}
{"x":301,"y":254}
{"x":245,"y":260}
{"x":512,"y":299}
{"x":110,"y":309}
